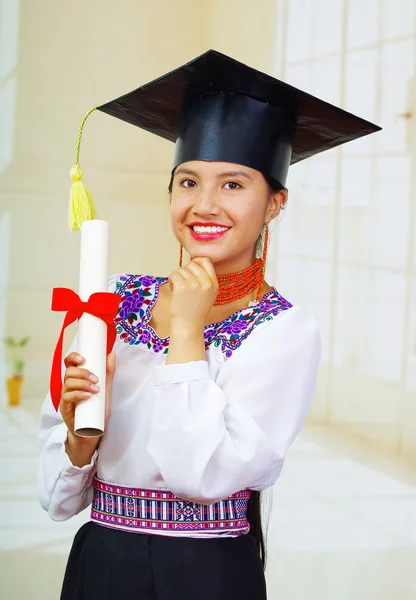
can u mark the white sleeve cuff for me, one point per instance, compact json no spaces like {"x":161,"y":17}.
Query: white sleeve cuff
{"x":71,"y":469}
{"x":180,"y":373}
{"x":60,"y":436}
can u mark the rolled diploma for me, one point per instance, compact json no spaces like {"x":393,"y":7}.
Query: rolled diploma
{"x":92,"y":331}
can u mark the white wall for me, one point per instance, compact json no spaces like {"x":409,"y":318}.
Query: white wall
{"x":245,"y":30}
{"x":347,"y":248}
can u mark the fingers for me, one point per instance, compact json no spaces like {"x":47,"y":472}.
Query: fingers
{"x":204,"y":272}
{"x":181,"y":278}
{"x":202,"y":278}
{"x":73,"y":360}
{"x":198,"y":273}
{"x":206,"y":264}
{"x":185,"y":279}
{"x":74,"y":396}
{"x":85,"y":385}
{"x":197,"y":270}
{"x":78,"y":383}
{"x":76,"y":378}
{"x":83,"y":374}
{"x":77,"y":388}
{"x":78,"y":373}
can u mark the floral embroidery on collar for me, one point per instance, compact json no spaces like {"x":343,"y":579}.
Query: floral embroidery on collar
{"x":139,"y":294}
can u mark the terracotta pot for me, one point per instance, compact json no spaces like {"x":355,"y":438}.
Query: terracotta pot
{"x":14,"y":390}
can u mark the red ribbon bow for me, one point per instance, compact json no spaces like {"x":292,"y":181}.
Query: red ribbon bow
{"x":103,"y":305}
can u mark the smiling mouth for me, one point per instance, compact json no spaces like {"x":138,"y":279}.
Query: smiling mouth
{"x":208,"y":229}
{"x":209,"y":232}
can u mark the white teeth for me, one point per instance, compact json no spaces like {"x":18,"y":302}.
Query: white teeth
{"x":208,"y":229}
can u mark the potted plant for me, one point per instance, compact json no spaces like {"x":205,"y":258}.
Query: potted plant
{"x":14,"y":383}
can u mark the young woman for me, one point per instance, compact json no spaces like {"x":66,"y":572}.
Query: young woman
{"x":212,"y":371}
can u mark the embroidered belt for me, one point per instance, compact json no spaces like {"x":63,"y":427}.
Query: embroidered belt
{"x":162,"y":513}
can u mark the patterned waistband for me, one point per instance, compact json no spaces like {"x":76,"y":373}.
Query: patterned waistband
{"x":162,"y":513}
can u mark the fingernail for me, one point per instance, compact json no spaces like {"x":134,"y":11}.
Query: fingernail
{"x":78,"y":358}
{"x":86,"y":394}
{"x":93,"y":378}
{"x":95,"y":388}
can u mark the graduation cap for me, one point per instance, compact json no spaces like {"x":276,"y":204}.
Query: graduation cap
{"x":218,"y":109}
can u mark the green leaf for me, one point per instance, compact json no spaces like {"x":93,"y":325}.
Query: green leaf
{"x":18,"y":366}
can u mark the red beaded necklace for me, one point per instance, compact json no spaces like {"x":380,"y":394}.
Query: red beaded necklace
{"x":234,"y":286}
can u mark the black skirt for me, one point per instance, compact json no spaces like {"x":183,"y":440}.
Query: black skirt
{"x":109,"y":564}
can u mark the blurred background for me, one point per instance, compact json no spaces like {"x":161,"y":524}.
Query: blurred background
{"x":343,"y":514}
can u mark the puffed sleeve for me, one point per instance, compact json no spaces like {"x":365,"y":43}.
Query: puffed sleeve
{"x":210,"y":438}
{"x":64,"y":490}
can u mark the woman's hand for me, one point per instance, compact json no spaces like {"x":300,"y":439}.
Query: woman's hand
{"x":81,"y":384}
{"x":194,"y":289}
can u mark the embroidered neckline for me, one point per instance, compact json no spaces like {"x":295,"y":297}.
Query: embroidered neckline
{"x":162,"y":281}
{"x":140,"y":293}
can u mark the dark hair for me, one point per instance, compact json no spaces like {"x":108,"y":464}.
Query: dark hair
{"x":255,"y":521}
{"x":254,"y":504}
{"x":274,"y":185}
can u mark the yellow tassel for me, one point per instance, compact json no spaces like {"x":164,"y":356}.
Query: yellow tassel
{"x":81,"y":206}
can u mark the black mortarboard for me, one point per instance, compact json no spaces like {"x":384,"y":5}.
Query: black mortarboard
{"x":218,"y":109}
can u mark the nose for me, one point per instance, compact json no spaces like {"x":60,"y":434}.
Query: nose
{"x":205,"y":202}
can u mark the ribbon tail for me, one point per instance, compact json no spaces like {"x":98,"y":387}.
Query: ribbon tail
{"x":55,"y":384}
{"x":111,"y":335}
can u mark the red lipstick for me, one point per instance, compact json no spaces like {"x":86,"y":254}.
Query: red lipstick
{"x":206,"y":237}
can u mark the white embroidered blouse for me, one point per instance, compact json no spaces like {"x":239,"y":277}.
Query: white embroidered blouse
{"x":203,"y":430}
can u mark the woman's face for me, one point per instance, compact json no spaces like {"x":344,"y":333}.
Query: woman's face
{"x":233,"y":201}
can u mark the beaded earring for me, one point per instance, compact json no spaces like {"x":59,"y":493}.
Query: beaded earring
{"x":265,"y":237}
{"x":181,"y":256}
{"x":265,"y":247}
{"x":264,"y":259}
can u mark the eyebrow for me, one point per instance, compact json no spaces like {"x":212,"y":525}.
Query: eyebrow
{"x":219,"y":176}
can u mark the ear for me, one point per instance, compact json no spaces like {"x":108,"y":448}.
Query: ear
{"x":274,"y":205}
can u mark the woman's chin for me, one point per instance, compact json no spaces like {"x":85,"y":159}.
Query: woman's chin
{"x":214,"y":259}
{"x":214,"y":255}
{"x":217,"y":255}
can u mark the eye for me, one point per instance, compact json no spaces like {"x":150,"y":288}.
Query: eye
{"x":188,"y":183}
{"x":232,"y":185}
